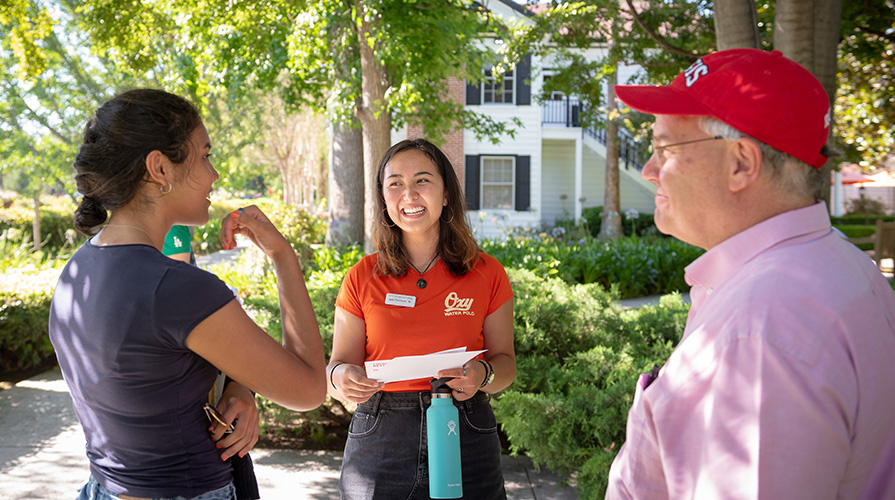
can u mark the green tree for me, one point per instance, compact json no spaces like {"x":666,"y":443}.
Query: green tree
{"x":55,"y":85}
{"x":865,"y":102}
{"x":382,"y":62}
{"x":50,"y":90}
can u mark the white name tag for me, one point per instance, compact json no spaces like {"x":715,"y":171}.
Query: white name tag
{"x":394,"y":299}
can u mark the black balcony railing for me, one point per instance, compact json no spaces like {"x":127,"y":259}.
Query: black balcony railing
{"x":567,"y":112}
{"x":561,"y":112}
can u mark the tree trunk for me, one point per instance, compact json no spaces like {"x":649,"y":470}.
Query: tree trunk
{"x":375,"y":121}
{"x":346,"y":187}
{"x":611,"y":225}
{"x":794,"y":31}
{"x":828,"y":14}
{"x":322,"y":185}
{"x":808,"y":33}
{"x":35,"y":223}
{"x":736,"y":24}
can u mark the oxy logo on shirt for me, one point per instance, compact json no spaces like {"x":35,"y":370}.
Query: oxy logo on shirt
{"x":454,"y":305}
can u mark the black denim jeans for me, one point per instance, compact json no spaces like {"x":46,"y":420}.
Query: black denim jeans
{"x":386,"y":456}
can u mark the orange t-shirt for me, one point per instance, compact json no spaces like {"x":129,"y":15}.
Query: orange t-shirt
{"x":447,"y":314}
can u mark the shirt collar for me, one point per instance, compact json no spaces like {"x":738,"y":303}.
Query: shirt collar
{"x":714,"y":266}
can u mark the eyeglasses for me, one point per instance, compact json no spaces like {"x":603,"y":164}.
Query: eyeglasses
{"x":662,"y":151}
{"x":215,"y":416}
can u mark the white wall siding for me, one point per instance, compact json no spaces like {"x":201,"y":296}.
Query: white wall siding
{"x":635,"y":192}
{"x":632,"y":193}
{"x":594,"y":178}
{"x":559,"y":163}
{"x":527,"y":142}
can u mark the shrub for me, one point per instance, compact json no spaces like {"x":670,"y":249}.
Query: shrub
{"x":554,"y":319}
{"x":24,"y":339}
{"x":860,"y":219}
{"x":8,"y":197}
{"x":299,"y":227}
{"x":634,"y":223}
{"x":26,"y":287}
{"x":569,"y":412}
{"x":856,"y":230}
{"x":332,"y":262}
{"x":207,"y":238}
{"x":864,"y":205}
{"x":634,"y":267}
{"x":57,"y":231}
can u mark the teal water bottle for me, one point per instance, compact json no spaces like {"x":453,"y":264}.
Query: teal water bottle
{"x":443,"y":436}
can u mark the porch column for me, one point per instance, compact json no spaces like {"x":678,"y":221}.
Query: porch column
{"x":579,"y":174}
{"x":838,"y":203}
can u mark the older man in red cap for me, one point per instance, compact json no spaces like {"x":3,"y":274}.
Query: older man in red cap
{"x":781,"y":386}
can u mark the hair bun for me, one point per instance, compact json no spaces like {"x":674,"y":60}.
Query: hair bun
{"x":89,"y":215}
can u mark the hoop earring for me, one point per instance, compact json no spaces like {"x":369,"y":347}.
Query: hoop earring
{"x":382,"y":220}
{"x":452,"y":216}
{"x":162,"y":188}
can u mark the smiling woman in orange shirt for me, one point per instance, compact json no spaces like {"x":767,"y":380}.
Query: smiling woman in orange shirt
{"x":428,"y":289}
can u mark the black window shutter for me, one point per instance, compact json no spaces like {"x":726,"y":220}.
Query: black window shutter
{"x":523,"y":88}
{"x":523,"y":183}
{"x":472,"y":182}
{"x":473,"y":93}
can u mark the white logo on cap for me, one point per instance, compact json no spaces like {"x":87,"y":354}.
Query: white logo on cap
{"x":695,"y":70}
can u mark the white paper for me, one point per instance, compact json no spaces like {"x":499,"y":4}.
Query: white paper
{"x":414,"y":367}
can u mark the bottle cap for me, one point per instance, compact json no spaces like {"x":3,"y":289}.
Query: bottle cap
{"x":439,"y":385}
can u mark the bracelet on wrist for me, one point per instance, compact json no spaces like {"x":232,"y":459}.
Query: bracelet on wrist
{"x":333,"y":370}
{"x":489,"y":373}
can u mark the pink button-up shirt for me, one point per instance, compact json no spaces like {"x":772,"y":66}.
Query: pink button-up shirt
{"x":783,"y":385}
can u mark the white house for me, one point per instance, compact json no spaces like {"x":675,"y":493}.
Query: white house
{"x":552,"y":168}
{"x":851,"y":183}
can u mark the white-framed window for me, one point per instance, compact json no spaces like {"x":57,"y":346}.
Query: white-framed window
{"x":498,"y":182}
{"x":502,"y":92}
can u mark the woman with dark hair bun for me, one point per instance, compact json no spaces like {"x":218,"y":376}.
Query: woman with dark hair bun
{"x":140,"y":337}
{"x":428,"y":289}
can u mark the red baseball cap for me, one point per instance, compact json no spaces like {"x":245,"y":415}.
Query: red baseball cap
{"x":761,"y":94}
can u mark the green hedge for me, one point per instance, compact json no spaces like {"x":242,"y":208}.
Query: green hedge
{"x":300,"y":228}
{"x":56,"y":223}
{"x":632,"y":267}
{"x":860,"y":219}
{"x":856,"y":230}
{"x":578,"y":358}
{"x":24,"y":317}
{"x":634,"y":223}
